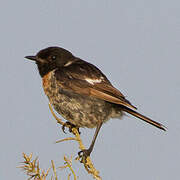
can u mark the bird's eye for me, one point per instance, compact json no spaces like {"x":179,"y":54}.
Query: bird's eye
{"x":53,"y":57}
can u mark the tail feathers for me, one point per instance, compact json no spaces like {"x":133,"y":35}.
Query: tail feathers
{"x":144,"y":118}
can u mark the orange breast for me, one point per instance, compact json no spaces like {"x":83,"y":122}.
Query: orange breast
{"x":46,"y":81}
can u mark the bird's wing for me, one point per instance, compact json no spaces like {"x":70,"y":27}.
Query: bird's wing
{"x":84,"y":78}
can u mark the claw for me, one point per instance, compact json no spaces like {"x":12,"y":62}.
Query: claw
{"x":70,"y":126}
{"x":78,"y":131}
{"x":63,"y":128}
{"x":83,"y":155}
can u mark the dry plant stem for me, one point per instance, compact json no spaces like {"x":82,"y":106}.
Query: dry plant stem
{"x":32,"y":169}
{"x":54,"y":169}
{"x":69,"y":165}
{"x":54,"y":115}
{"x":88,"y":164}
{"x":66,"y":139}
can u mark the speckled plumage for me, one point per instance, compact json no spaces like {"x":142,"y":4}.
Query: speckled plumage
{"x":80,"y":110}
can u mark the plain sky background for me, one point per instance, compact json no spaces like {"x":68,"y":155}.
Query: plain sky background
{"x":136,"y":43}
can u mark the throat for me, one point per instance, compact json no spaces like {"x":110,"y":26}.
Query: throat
{"x":45,"y":68}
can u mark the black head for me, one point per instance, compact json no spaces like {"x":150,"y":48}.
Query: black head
{"x":51,"y":58}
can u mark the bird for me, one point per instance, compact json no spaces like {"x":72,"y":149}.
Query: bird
{"x":81,"y":93}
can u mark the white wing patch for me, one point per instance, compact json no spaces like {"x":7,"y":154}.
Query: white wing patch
{"x":68,"y":63}
{"x":94,"y":81}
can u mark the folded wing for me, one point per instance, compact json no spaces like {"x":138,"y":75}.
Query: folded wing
{"x":84,"y":78}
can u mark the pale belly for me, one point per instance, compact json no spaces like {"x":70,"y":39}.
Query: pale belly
{"x":80,"y":110}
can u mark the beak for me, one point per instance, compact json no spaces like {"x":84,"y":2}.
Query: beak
{"x":33,"y":58}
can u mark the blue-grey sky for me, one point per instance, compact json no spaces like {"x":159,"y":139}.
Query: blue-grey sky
{"x":135,"y":43}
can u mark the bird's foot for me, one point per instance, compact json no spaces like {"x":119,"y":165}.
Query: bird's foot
{"x":83,"y":155}
{"x":70,"y":126}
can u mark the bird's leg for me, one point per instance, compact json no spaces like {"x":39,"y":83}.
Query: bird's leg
{"x":86,"y":152}
{"x":70,"y":126}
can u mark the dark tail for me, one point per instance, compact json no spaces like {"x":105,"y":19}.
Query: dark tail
{"x":144,"y":118}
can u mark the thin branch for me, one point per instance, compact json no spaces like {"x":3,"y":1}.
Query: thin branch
{"x":54,"y":169}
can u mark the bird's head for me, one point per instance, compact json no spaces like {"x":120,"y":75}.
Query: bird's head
{"x":51,"y":58}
